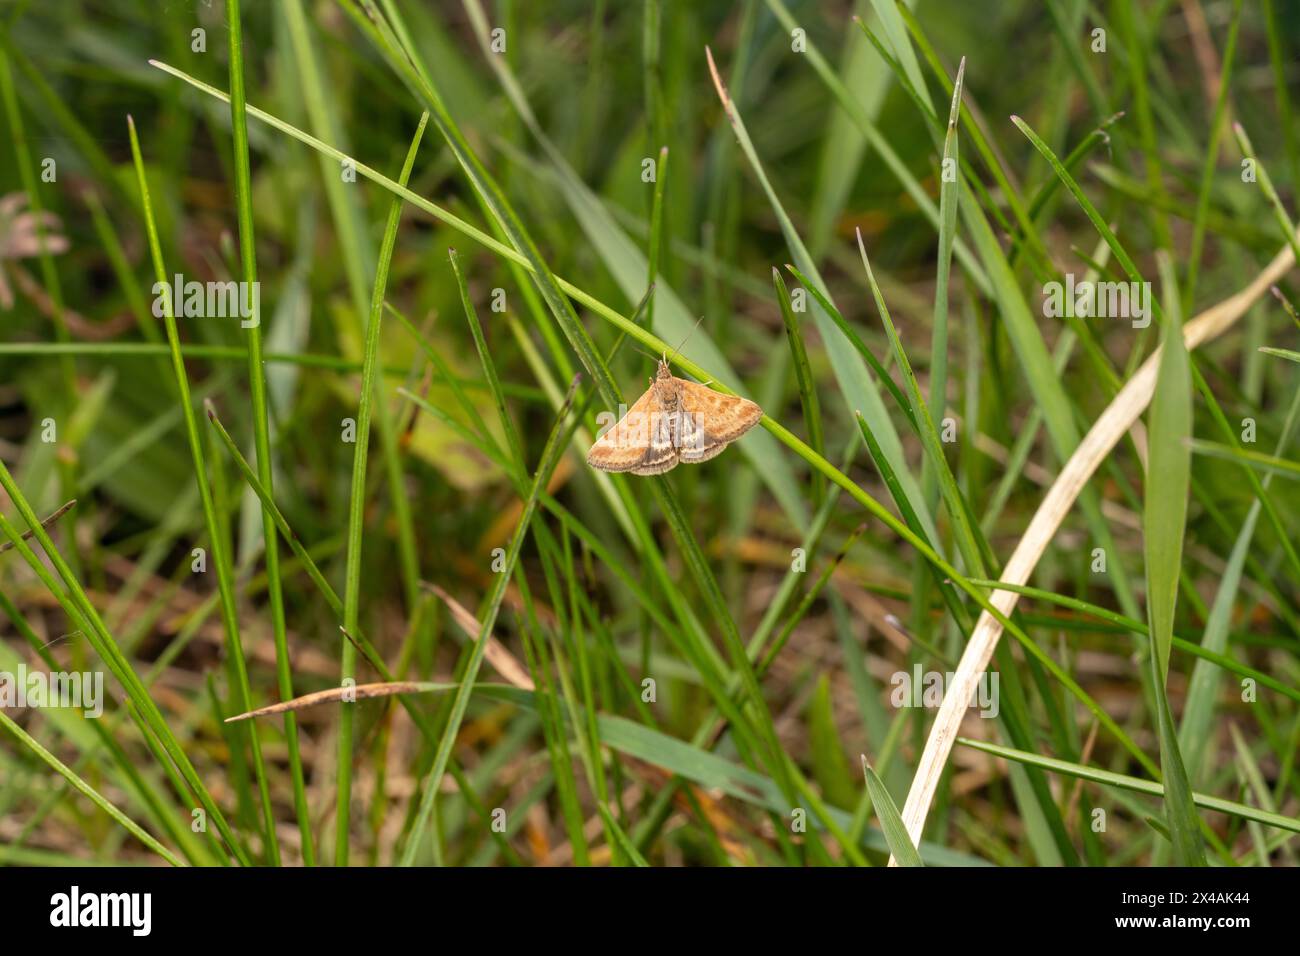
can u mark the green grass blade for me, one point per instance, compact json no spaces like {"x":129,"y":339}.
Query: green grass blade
{"x":86,"y":789}
{"x":356,"y":499}
{"x":1164,"y":521}
{"x":1133,"y":784}
{"x":802,"y":371}
{"x":261,"y":425}
{"x":220,"y":559}
{"x":1268,"y":463}
{"x":891,"y":821}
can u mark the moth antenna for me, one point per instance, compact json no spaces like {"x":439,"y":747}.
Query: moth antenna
{"x":678,"y":350}
{"x":645,"y":353}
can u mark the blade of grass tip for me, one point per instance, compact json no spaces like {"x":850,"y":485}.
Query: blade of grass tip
{"x":95,"y":796}
{"x":433,"y":782}
{"x":1164,"y":521}
{"x":220,"y":559}
{"x":261,"y":420}
{"x":338,"y":694}
{"x":489,"y":367}
{"x":356,"y":499}
{"x":1288,"y":354}
{"x":803,"y":376}
{"x":1270,"y":463}
{"x":1133,"y":784}
{"x":1009,"y":193}
{"x":1266,"y":185}
{"x":891,"y":822}
{"x":1095,"y":137}
{"x":963,"y":527}
{"x":1102,"y":227}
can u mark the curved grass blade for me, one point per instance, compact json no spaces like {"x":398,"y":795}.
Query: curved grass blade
{"x":891,"y":821}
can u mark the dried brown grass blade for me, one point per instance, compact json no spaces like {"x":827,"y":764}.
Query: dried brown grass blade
{"x":334,"y":694}
{"x":45,"y":523}
{"x":502,"y":661}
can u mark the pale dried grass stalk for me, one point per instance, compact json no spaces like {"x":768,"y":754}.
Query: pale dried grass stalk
{"x":1122,"y":413}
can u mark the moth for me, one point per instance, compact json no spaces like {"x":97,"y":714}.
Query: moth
{"x":673,"y":421}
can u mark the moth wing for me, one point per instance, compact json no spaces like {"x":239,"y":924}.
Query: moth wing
{"x":711,"y":420}
{"x":623,"y":446}
{"x":662,"y":455}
